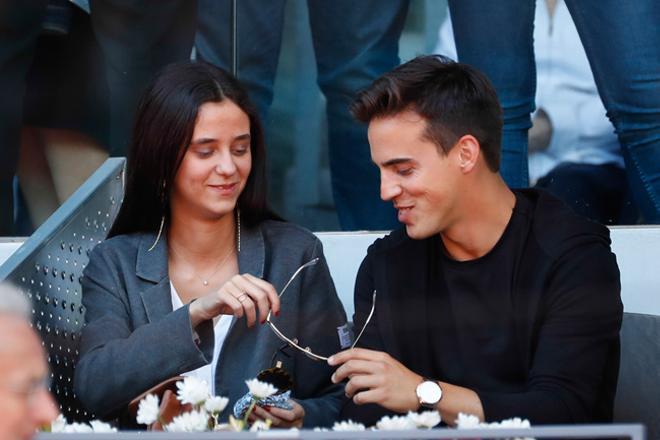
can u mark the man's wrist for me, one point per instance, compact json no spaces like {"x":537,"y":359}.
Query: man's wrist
{"x":429,"y":393}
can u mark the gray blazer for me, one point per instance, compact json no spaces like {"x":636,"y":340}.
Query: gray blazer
{"x":133,"y":340}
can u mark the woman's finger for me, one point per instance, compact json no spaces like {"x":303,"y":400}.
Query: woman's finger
{"x":259,"y":297}
{"x":231,"y":304}
{"x":266,"y":415}
{"x":273,"y":298}
{"x":245,"y":301}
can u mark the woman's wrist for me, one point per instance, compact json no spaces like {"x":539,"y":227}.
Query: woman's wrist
{"x":195,"y":313}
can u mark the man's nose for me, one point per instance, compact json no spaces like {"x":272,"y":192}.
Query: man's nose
{"x":389,"y":188}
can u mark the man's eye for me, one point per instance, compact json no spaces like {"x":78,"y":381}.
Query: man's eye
{"x":404,"y":171}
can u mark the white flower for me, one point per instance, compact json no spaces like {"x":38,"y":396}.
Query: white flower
{"x":259,"y":389}
{"x":348,"y":425}
{"x":467,"y":421}
{"x":77,"y":428}
{"x":192,"y":390}
{"x":148,"y":410}
{"x":395,"y":423}
{"x":58,"y":424}
{"x":192,"y":421}
{"x":101,"y":427}
{"x":216,"y":404}
{"x":260,"y":425}
{"x":515,"y":422}
{"x":425,"y":420}
{"x":317,"y":429}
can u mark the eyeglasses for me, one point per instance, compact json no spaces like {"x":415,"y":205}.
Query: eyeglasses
{"x":293,"y":342}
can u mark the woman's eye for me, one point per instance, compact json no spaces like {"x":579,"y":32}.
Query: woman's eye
{"x":203,"y":153}
{"x":241,"y":150}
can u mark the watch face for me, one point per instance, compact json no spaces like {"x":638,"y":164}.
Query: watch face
{"x":429,"y":392}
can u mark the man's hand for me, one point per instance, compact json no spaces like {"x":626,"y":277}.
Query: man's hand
{"x":280,"y":418}
{"x":376,"y":377}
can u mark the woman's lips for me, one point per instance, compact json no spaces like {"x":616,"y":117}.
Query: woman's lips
{"x":225,"y":188}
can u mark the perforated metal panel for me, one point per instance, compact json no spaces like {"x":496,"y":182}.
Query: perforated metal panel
{"x":49,"y":265}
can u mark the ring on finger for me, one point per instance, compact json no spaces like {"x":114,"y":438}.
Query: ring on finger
{"x":242,"y":297}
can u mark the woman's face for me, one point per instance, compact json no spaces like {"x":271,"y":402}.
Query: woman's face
{"x":216,"y":165}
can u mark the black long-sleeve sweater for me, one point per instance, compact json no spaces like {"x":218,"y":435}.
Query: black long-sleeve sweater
{"x":532,"y":326}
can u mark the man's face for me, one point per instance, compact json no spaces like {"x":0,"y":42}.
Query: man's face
{"x":421,"y":182}
{"x":25,"y":403}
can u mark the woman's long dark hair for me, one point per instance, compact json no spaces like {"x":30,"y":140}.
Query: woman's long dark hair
{"x":164,"y":125}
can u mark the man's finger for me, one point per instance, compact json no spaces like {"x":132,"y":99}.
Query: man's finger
{"x":353,"y":353}
{"x":351,"y":367}
{"x":369,"y":396}
{"x":361,"y":382}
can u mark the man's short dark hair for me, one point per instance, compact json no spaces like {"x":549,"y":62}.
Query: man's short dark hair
{"x":455,"y":99}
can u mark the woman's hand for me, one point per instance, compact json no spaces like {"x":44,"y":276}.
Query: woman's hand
{"x":242,"y":295}
{"x":280,"y":418}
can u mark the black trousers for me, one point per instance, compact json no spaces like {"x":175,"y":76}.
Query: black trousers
{"x":137,"y":38}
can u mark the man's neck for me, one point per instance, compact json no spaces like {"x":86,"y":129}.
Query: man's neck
{"x":486,"y":211}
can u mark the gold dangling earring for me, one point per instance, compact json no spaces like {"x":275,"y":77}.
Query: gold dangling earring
{"x":238,"y":228}
{"x":162,"y":219}
{"x":160,"y":231}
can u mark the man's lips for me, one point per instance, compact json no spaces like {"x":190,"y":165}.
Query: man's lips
{"x":404,"y":213}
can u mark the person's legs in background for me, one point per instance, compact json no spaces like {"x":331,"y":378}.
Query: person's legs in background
{"x":496,"y":38}
{"x":354,"y":43}
{"x":259,"y":36}
{"x":594,"y":191}
{"x":621,"y":40}
{"x":137,"y":40}
{"x":20,"y":25}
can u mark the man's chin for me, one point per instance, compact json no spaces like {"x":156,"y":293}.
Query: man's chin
{"x":413,"y":232}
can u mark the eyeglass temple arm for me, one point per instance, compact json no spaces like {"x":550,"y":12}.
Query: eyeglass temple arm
{"x":295,"y":274}
{"x":293,"y":277}
{"x":373,"y":307}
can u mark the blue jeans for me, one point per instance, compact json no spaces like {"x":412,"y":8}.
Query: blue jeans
{"x":622,"y":42}
{"x":352,"y":49}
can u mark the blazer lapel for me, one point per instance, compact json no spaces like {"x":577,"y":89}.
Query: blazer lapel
{"x":251,"y":259}
{"x":151,"y":267}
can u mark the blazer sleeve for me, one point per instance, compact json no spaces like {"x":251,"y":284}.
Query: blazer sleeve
{"x":117,"y":361}
{"x":321,"y":315}
{"x":572,"y":376}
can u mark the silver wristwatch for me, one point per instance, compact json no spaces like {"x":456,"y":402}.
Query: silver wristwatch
{"x":429,"y":393}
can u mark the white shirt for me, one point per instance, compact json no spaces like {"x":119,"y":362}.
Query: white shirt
{"x":220,"y":330}
{"x":566,"y":90}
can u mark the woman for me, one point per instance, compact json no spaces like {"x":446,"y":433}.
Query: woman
{"x":195,"y":259}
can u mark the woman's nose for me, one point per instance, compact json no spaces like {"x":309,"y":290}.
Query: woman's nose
{"x":225,"y":164}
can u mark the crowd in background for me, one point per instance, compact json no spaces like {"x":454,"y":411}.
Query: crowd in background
{"x":71,"y":73}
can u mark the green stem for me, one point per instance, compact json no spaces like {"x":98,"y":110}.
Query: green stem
{"x":249,"y":411}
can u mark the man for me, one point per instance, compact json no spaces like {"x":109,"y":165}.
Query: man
{"x":25,"y":403}
{"x":492,"y":302}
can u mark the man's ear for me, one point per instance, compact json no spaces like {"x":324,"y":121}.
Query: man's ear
{"x":468,"y":151}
